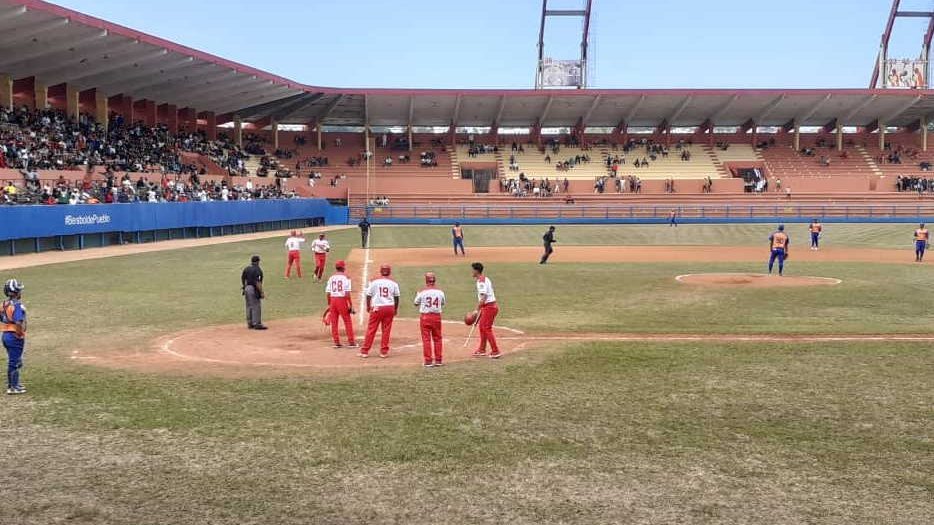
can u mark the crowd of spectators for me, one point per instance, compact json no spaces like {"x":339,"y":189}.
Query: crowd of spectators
{"x":538,"y":188}
{"x":921,"y":185}
{"x":630,"y":184}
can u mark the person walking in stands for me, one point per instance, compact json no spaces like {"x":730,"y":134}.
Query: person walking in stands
{"x":382,"y":303}
{"x":13,"y":320}
{"x":487,"y":310}
{"x":548,"y":239}
{"x":294,"y":245}
{"x":340,"y":305}
{"x":921,"y":242}
{"x":364,"y":226}
{"x":778,"y":246}
{"x":457,"y":233}
{"x":430,"y":302}
{"x":320,"y":247}
{"x":815,"y":230}
{"x":673,"y":218}
{"x":251,"y":285}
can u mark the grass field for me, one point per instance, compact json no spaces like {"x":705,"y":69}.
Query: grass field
{"x":608,"y":432}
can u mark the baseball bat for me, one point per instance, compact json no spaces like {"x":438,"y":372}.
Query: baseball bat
{"x":472,"y":328}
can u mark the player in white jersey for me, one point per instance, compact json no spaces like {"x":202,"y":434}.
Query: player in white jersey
{"x":382,"y":303}
{"x":430,"y":303}
{"x":294,"y":245}
{"x":340,"y":305}
{"x":487,"y":310}
{"x":320,"y":247}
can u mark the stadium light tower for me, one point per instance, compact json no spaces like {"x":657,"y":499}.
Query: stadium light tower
{"x":553,"y":73}
{"x":904,"y":73}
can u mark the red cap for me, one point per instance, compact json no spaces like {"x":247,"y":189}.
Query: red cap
{"x":340,"y":265}
{"x":385,"y":270}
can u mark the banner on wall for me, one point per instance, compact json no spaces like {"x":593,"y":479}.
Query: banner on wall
{"x":905,"y":73}
{"x":562,"y":73}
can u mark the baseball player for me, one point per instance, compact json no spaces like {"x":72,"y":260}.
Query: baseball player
{"x":382,"y":303}
{"x":457,"y":234}
{"x":251,"y":285}
{"x":430,"y":303}
{"x":815,"y":230}
{"x":673,"y":218}
{"x":778,"y":246}
{"x":486,"y":311}
{"x":340,"y":305}
{"x":13,"y":321}
{"x":548,"y":239}
{"x":364,"y":226}
{"x":921,"y":242}
{"x":294,"y":245}
{"x":320,"y":247}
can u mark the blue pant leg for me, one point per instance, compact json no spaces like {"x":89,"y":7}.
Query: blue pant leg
{"x":815,"y":240}
{"x":14,"y":351}
{"x":781,"y":261}
{"x":919,"y":249}
{"x":772,"y":258}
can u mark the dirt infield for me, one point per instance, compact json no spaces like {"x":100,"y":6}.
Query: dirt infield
{"x":302,"y":347}
{"x":753,"y":280}
{"x":289,"y":347}
{"x":616,"y":254}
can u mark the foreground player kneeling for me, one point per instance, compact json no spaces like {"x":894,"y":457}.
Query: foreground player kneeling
{"x":430,"y":303}
{"x":382,"y":303}
{"x":486,"y":312}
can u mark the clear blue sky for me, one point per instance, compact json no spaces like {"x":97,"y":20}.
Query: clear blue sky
{"x":491,"y":43}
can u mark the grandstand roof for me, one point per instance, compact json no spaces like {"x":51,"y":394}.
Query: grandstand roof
{"x":59,"y":45}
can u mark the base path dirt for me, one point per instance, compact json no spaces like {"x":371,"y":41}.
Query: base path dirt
{"x":28,"y":260}
{"x":635,"y":254}
{"x":303,"y":347}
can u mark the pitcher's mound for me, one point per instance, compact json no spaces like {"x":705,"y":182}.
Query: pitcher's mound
{"x":753,"y":280}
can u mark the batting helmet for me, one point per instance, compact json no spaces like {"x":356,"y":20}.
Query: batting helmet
{"x":12,"y":287}
{"x":385,"y":270}
{"x":470,"y":318}
{"x":430,"y":278}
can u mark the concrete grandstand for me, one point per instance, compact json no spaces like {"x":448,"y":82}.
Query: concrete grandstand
{"x":503,"y":148}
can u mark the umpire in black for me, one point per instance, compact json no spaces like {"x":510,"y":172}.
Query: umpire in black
{"x":364,"y":232}
{"x":548,"y":239}
{"x":251,"y":282}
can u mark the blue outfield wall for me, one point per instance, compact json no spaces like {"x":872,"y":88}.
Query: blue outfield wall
{"x":28,"y":222}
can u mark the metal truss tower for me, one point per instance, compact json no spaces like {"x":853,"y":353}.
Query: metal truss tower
{"x":552,"y":73}
{"x":889,"y":73}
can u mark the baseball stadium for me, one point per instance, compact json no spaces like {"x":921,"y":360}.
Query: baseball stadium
{"x":231,"y":297}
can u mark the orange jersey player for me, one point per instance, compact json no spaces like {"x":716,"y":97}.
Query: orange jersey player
{"x":921,"y":242}
{"x":815,"y":229}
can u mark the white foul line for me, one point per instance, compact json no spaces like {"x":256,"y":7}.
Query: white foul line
{"x":366,"y":269}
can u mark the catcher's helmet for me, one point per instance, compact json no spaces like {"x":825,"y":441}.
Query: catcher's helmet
{"x":385,"y":270}
{"x":430,"y":278}
{"x":12,"y":287}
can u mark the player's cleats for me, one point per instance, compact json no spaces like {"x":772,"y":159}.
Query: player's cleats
{"x":353,"y":345}
{"x":15,"y":391}
{"x":429,"y":365}
{"x":260,"y":327}
{"x":439,"y":363}
{"x":478,"y":354}
{"x":361,"y":355}
{"x":383,"y":356}
{"x":495,"y":355}
{"x":338,"y":345}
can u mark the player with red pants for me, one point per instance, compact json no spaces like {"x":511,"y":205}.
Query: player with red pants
{"x":340,"y":305}
{"x":382,"y":303}
{"x":294,"y":245}
{"x":487,"y":312}
{"x":430,"y":303}
{"x":320,"y":247}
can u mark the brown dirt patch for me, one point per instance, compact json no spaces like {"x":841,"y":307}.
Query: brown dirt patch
{"x":753,"y":280}
{"x":290,"y":347}
{"x":616,"y":254}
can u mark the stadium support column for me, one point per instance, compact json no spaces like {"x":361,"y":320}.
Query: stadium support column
{"x":210,"y":124}
{"x":102,"y":109}
{"x":72,"y":101}
{"x":274,"y":126}
{"x":238,"y":131}
{"x":6,"y":91}
{"x":882,"y":135}
{"x":796,"y":138}
{"x":42,"y":95}
{"x":924,"y":133}
{"x":319,"y":134}
{"x":410,"y":137}
{"x":839,"y":135}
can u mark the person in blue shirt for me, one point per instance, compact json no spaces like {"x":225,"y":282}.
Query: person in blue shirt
{"x":13,"y":323}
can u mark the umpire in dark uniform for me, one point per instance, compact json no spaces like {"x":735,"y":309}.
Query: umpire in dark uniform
{"x":364,"y":232}
{"x":548,"y":239}
{"x":251,"y":281}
